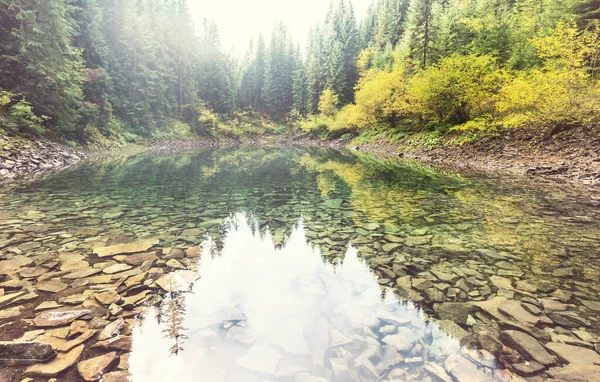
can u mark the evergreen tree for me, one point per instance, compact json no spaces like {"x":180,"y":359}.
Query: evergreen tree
{"x":278,"y":73}
{"x":299,"y":85}
{"x":421,"y":31}
{"x":38,"y":59}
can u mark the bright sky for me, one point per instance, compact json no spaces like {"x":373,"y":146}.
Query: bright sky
{"x":241,"y":20}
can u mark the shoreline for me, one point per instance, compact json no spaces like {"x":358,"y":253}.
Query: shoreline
{"x":572,"y":159}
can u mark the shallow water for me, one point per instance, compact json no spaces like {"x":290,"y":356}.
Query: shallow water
{"x":297,"y":264}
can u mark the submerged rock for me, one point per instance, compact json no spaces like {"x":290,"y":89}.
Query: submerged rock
{"x":528,"y":346}
{"x":464,"y":370}
{"x":59,"y":317}
{"x":574,"y":354}
{"x":118,"y":249}
{"x":25,"y":353}
{"x":93,"y":369}
{"x":62,"y":362}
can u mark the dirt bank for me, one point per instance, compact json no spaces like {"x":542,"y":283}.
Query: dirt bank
{"x":572,"y":156}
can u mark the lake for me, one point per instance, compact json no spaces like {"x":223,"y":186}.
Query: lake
{"x":297,"y":264}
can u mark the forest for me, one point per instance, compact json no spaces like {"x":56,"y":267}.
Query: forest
{"x":102,"y":71}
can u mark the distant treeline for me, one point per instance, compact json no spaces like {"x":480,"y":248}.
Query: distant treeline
{"x":93,"y":70}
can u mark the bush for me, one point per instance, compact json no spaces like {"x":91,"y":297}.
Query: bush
{"x":458,"y":89}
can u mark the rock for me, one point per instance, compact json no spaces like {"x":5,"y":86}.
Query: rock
{"x":177,"y":281}
{"x":32,"y":272}
{"x":527,"y":345}
{"x":593,"y":305}
{"x":111,"y":330}
{"x":455,"y":311}
{"x":140,"y":258}
{"x":490,"y":343}
{"x":25,"y":353}
{"x":117,"y":343}
{"x":93,"y":368}
{"x":131,"y":301}
{"x":118,"y":249}
{"x":437,"y":372}
{"x":403,"y":340}
{"x":526,"y":286}
{"x":175,"y":264}
{"x":260,"y":359}
{"x":62,"y":362}
{"x":533,"y":309}
{"x":9,"y":267}
{"x":434,"y":295}
{"x":115,"y":309}
{"x":77,"y":341}
{"x":78,"y":327}
{"x":59,"y":317}
{"x":365,"y":367}
{"x":339,"y":367}
{"x":568,"y":319}
{"x":82,"y":274}
{"x":452,"y":329}
{"x":116,"y":268}
{"x":501,"y":282}
{"x":117,"y":376}
{"x":464,"y":370}
{"x":11,"y":312}
{"x":528,"y":369}
{"x":589,"y":373}
{"x":514,"y":309}
{"x":536,"y":333}
{"x":479,"y":357}
{"x":48,"y":305}
{"x":564,"y":272}
{"x":574,"y":354}
{"x":8,"y":299}
{"x":390,"y":358}
{"x":108,"y":297}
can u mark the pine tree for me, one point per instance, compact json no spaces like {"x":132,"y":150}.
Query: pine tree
{"x":421,"y":32}
{"x":316,"y":71}
{"x":38,"y":59}
{"x":299,"y":85}
{"x":278,"y":74}
{"x":390,"y":25}
{"x":368,"y":27}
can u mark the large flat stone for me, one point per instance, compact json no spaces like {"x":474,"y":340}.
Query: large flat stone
{"x":111,"y":250}
{"x":25,"y":353}
{"x":515,"y":310}
{"x":464,"y":370}
{"x":59,"y":317}
{"x":589,"y":373}
{"x":527,"y":346}
{"x":62,"y":362}
{"x":93,"y":368}
{"x":574,"y":354}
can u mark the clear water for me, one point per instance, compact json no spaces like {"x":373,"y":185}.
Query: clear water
{"x":309,"y":263}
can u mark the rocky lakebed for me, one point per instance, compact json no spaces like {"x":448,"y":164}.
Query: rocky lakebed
{"x":300,"y":265}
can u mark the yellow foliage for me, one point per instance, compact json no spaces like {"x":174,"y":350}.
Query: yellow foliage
{"x":328,"y":103}
{"x":564,"y":91}
{"x":5,"y":97}
{"x":545,"y":98}
{"x":459,"y":88}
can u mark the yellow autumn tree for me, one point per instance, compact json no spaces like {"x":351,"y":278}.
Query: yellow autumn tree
{"x":565,"y":91}
{"x":328,"y":103}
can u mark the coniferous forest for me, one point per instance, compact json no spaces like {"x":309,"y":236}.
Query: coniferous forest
{"x":113,"y":70}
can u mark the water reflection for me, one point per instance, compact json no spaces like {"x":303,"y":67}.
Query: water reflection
{"x":262,"y":311}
